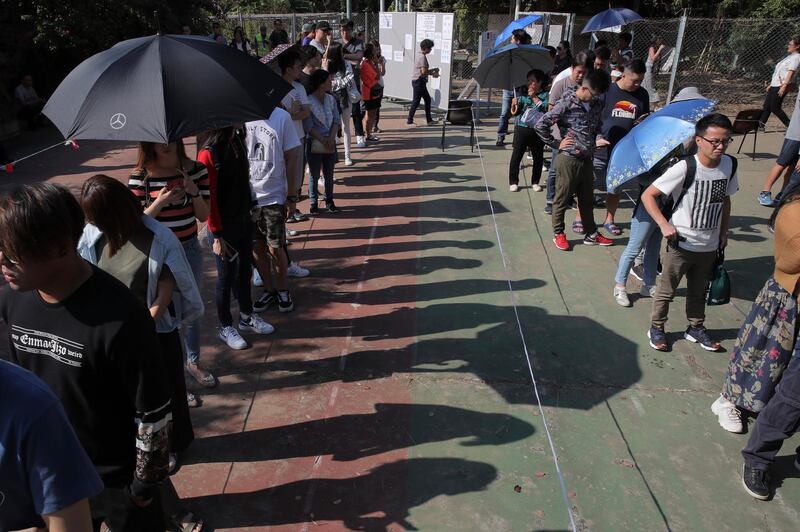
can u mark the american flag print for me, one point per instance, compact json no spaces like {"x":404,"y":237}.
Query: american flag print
{"x":707,"y":207}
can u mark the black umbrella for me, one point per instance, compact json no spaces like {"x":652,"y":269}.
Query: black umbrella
{"x":163,"y":88}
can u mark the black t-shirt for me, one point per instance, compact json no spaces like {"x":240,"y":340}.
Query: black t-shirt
{"x":620,"y":110}
{"x":97,"y":350}
{"x":278,"y":37}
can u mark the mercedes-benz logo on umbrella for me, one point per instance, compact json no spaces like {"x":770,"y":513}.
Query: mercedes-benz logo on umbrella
{"x":118,"y":121}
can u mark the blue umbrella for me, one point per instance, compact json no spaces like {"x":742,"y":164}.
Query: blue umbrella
{"x":689,"y":110}
{"x":519,"y":24}
{"x":508,"y":66}
{"x":645,"y":145}
{"x":618,"y":16}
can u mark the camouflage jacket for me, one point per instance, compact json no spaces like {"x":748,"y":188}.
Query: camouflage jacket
{"x":570,"y":115}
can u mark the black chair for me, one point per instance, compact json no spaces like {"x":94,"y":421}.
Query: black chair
{"x":459,"y":113}
{"x":747,"y":121}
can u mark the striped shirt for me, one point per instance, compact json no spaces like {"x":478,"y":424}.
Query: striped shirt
{"x":179,"y":217}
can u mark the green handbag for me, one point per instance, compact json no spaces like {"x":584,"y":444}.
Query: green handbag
{"x":719,"y":286}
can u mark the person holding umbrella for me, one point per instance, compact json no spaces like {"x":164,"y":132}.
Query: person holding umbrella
{"x":518,"y":36}
{"x":528,"y":109}
{"x":419,"y":82}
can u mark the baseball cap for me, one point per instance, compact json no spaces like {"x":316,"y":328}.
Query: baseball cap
{"x":308,"y":27}
{"x":324,"y":26}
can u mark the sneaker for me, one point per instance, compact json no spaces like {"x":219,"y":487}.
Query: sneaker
{"x":313,"y":210}
{"x":658,"y":338}
{"x":548,"y":209}
{"x":299,"y":216}
{"x":756,"y":482}
{"x":648,"y":291}
{"x":254,"y":323}
{"x":514,"y":187}
{"x":728,"y":415}
{"x":621,"y":297}
{"x":291,"y":232}
{"x":372,"y":138}
{"x":561,"y":242}
{"x":285,"y":303}
{"x":267,"y":299}
{"x":501,"y":141}
{"x":638,"y":271}
{"x":599,"y":201}
{"x":348,"y":161}
{"x":536,"y":187}
{"x":597,"y":240}
{"x":231,"y":336}
{"x":765,"y":199}
{"x":435,"y":122}
{"x":331,"y":207}
{"x":699,"y":335}
{"x":376,"y":129}
{"x":361,"y":142}
{"x":295,"y":270}
{"x":529,"y":156}
{"x":573,"y":204}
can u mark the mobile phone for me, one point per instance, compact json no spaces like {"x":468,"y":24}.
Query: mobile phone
{"x":175,"y":183}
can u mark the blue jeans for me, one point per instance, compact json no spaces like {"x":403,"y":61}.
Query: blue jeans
{"x":505,"y":113}
{"x":551,"y":178}
{"x":644,"y":234}
{"x":191,"y":331}
{"x":324,"y":162}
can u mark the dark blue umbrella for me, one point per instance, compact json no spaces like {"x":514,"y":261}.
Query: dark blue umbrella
{"x":519,"y":24}
{"x":163,"y":88}
{"x":508,"y":66}
{"x":618,"y":16}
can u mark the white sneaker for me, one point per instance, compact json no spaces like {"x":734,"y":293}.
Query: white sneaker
{"x":255,"y":323}
{"x":513,"y":188}
{"x":647,"y":291}
{"x":536,"y":187}
{"x":231,"y":336}
{"x":361,"y":142}
{"x":291,"y":232}
{"x":257,"y":280}
{"x":348,"y":161}
{"x":295,"y":270}
{"x":621,"y":297}
{"x":728,"y":415}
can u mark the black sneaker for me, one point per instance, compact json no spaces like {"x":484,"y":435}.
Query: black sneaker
{"x":658,"y":338}
{"x":756,"y":482}
{"x":548,"y":209}
{"x":573,"y":204}
{"x":331,"y":207}
{"x":501,"y":141}
{"x":285,"y":303}
{"x":313,"y":210}
{"x":638,"y":272}
{"x":699,"y":335}
{"x":266,"y":300}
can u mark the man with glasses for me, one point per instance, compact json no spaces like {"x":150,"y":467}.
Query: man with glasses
{"x":695,"y":227}
{"x":216,"y":33}
{"x":322,"y":37}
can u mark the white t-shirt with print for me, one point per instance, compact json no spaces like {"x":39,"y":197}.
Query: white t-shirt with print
{"x":699,"y":214}
{"x":266,"y":142}
{"x":298,"y":93}
{"x":781,"y":72}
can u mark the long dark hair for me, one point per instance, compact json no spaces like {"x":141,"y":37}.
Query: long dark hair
{"x":788,"y":196}
{"x":317,"y":79}
{"x":336,"y":58}
{"x":113,"y":208}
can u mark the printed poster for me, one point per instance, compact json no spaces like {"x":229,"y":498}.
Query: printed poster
{"x":426,"y":22}
{"x":409,"y":44}
{"x":445,"y":56}
{"x":385,"y":21}
{"x":398,"y":56}
{"x":447,"y":25}
{"x":386,"y":51}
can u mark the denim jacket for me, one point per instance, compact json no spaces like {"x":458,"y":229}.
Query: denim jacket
{"x":314,"y":120}
{"x":570,"y":115}
{"x":165,"y":250}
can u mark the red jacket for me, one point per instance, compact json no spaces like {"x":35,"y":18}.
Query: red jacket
{"x":369,"y":78}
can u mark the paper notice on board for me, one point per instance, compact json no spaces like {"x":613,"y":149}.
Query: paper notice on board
{"x":385,"y":21}
{"x":447,"y":45}
{"x":437,"y":38}
{"x":445,"y":56}
{"x":386,"y":51}
{"x":420,"y":35}
{"x":436,"y":83}
{"x":447,"y":25}
{"x":409,"y":44}
{"x":426,"y":21}
{"x":398,"y":56}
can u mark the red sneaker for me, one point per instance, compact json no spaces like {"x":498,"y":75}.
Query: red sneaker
{"x":561,"y":242}
{"x":597,"y":240}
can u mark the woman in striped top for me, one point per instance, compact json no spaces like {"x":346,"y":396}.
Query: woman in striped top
{"x":174,"y":190}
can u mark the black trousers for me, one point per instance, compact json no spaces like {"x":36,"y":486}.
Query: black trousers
{"x":181,"y":433}
{"x":773,"y":105}
{"x":420,"y":86}
{"x":526,"y":138}
{"x":779,"y":420}
{"x":115,"y":507}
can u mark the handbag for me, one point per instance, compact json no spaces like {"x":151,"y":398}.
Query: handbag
{"x":531,"y":116}
{"x":719,"y":287}
{"x":352,"y":92}
{"x":376,"y":92}
{"x":319,"y":148}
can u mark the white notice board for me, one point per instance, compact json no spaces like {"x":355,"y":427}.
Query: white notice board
{"x":400,"y":34}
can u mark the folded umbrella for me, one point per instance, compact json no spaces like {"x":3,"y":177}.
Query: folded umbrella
{"x":519,"y":24}
{"x":508,"y":66}
{"x":610,"y":18}
{"x":162,"y":88}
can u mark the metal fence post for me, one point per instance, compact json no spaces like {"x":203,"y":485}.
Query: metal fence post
{"x":366,"y":25}
{"x":677,"y":56}
{"x":294,"y":27}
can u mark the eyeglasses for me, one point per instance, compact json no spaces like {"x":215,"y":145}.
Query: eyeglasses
{"x":717,"y":142}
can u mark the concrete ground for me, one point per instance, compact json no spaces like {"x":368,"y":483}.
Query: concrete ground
{"x":398,"y":395}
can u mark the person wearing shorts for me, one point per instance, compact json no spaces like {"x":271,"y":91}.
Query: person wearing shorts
{"x":273,"y":148}
{"x":787,"y":160}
